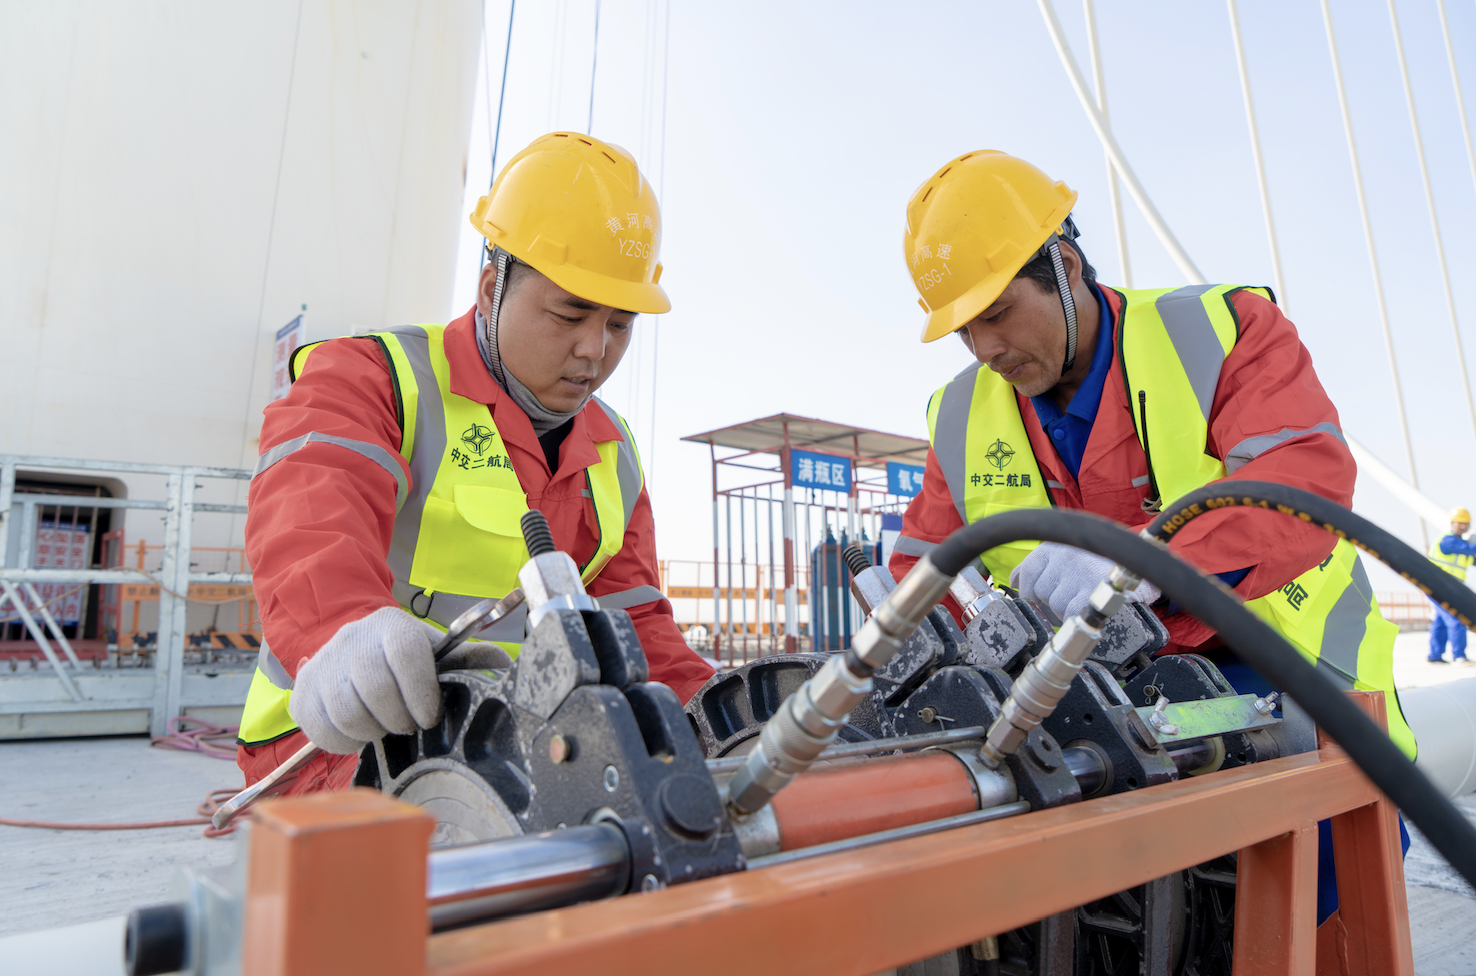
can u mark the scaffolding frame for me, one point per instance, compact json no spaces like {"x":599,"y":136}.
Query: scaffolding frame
{"x":110,"y":699}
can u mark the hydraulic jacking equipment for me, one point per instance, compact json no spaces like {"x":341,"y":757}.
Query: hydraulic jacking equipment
{"x":1021,"y":795}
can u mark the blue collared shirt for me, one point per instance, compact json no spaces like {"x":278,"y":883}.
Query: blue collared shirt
{"x":1069,"y":431}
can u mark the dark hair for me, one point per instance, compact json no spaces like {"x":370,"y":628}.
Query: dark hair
{"x":517,"y":270}
{"x":1042,"y":271}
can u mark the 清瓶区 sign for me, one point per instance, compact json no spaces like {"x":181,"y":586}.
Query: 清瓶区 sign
{"x":810,"y":470}
{"x":904,"y":479}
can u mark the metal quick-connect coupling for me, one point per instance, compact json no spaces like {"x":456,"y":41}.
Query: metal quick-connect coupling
{"x":799,"y":731}
{"x":550,"y":579}
{"x":809,"y":719}
{"x":1047,"y":678}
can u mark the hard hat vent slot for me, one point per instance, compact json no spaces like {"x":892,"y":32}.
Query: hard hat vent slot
{"x":609,"y":157}
{"x":586,"y":142}
{"x":926,"y":193}
{"x":944,"y":173}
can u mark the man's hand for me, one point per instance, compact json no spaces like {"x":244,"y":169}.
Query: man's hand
{"x":374,"y":676}
{"x":1063,"y":578}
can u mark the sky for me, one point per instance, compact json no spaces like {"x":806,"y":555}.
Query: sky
{"x":785,"y":139}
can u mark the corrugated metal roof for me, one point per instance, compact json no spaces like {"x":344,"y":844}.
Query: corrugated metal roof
{"x":766,"y":435}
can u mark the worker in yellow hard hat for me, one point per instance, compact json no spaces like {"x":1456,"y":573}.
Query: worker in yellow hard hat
{"x":1116,"y":401}
{"x":1453,"y":554}
{"x":392,"y":477}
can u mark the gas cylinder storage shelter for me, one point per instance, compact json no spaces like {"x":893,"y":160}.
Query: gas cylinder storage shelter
{"x":824,"y":486}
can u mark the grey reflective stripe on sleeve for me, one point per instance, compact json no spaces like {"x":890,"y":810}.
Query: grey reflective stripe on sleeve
{"x":1343,"y":632}
{"x":373,"y":452}
{"x":910,"y":546}
{"x":268,"y":665}
{"x":627,"y":463}
{"x":636,"y":596}
{"x":430,"y":446}
{"x":951,"y":434}
{"x":1253,"y":447}
{"x":1193,"y":335}
{"x":1140,"y":481}
{"x":1056,"y":484}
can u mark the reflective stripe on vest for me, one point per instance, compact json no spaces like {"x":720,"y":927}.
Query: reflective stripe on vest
{"x":457,"y":537}
{"x":1173,"y":345}
{"x":1453,"y":563}
{"x":996,"y":471}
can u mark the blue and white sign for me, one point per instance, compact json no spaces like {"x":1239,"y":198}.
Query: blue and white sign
{"x":904,"y":479}
{"x":810,"y":470}
{"x":289,"y":337}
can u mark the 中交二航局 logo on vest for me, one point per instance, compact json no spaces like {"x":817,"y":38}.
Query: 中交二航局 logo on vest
{"x":477,"y":441}
{"x":999,"y":455}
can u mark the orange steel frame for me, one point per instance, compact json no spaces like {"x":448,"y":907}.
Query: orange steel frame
{"x":338,"y":886}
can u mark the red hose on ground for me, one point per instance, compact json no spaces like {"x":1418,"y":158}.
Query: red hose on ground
{"x":215,"y":741}
{"x":51,"y":825}
{"x":212,"y":800}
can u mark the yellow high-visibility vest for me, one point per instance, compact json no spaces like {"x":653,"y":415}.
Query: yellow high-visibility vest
{"x":1174,"y":342}
{"x":1453,"y":563}
{"x":457,"y":537}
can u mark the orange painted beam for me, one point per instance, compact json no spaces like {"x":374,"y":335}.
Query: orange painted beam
{"x":1276,"y":906}
{"x":870,"y":909}
{"x":1369,"y":934}
{"x":336,"y":887}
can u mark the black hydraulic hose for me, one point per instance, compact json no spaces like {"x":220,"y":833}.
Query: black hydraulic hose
{"x":1256,"y":643}
{"x":1408,"y":562}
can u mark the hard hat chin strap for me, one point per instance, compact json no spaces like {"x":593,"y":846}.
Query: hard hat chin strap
{"x":503,"y":260}
{"x":1068,"y":303}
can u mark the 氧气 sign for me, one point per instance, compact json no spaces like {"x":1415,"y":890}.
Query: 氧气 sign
{"x":904,"y":479}
{"x":810,"y":470}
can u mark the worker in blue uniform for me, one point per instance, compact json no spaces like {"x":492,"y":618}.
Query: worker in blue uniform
{"x":1454,"y":555}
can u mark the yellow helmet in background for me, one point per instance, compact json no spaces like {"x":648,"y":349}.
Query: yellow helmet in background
{"x":972,"y":227}
{"x":579,"y":211}
{"x":1460,"y":515}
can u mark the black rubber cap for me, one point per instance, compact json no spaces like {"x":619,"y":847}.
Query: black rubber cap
{"x":154,"y":941}
{"x":690,"y":806}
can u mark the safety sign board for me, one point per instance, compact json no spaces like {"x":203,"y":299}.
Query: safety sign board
{"x":810,"y":470}
{"x":289,"y":337}
{"x":904,"y":479}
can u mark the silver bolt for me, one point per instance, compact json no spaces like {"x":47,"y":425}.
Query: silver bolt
{"x":1160,"y":721}
{"x":612,"y":779}
{"x":1267,"y":705}
{"x":928,"y":714}
{"x":651,"y":883}
{"x":559,"y":749}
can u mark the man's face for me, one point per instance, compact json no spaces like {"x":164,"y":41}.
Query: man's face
{"x":558,"y":345}
{"x":1022,"y":336}
{"x":1460,"y":528}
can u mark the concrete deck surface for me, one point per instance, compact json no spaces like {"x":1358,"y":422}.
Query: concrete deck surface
{"x":53,"y":878}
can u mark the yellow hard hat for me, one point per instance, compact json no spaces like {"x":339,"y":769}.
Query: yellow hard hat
{"x":1460,"y":515}
{"x":579,"y":211}
{"x":972,"y":227}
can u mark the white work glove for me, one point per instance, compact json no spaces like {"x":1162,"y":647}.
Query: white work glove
{"x":1063,"y":577}
{"x":378,"y":675}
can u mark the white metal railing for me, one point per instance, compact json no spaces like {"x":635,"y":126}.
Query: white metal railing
{"x":179,"y":506}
